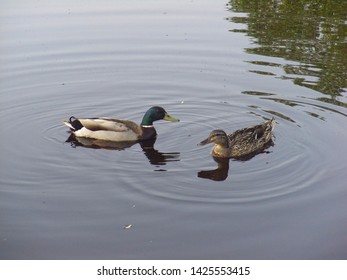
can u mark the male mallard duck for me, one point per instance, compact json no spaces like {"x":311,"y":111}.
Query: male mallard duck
{"x":242,"y":142}
{"x":119,"y":130}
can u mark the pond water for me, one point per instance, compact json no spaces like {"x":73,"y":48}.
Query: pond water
{"x":212,"y":64}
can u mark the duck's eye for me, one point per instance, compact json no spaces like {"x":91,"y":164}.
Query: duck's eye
{"x":220,"y":135}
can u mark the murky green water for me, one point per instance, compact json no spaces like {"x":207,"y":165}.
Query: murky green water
{"x":212,"y":64}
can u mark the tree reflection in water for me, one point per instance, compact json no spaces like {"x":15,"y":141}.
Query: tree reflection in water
{"x":309,"y":32}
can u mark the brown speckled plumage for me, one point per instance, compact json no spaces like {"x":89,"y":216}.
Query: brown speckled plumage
{"x":242,"y":142}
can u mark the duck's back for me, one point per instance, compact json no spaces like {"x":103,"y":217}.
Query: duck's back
{"x":251,"y":139}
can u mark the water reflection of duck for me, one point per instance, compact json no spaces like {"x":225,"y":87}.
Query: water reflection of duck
{"x":242,"y":143}
{"x":154,"y":156}
{"x":76,"y":141}
{"x":116,"y":130}
{"x":218,"y":174}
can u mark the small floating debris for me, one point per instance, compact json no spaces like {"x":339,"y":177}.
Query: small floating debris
{"x":128,"y":226}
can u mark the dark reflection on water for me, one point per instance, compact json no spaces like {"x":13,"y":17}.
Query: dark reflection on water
{"x":154,"y":156}
{"x":313,"y":33}
{"x":218,"y":174}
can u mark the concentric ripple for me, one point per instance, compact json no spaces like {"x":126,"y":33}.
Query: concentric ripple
{"x":290,"y":166}
{"x":117,"y":80}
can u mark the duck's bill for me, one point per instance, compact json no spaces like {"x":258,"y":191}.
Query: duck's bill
{"x":206,"y":141}
{"x":167,"y":117}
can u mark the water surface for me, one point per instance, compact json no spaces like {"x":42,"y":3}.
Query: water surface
{"x":212,"y":64}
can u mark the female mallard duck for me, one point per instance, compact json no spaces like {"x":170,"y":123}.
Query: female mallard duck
{"x":119,"y":130}
{"x":242,"y":142}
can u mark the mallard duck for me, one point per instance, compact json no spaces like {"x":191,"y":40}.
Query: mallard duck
{"x":242,"y":142}
{"x":119,"y":130}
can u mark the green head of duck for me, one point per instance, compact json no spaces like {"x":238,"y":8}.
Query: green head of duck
{"x":156,"y":113}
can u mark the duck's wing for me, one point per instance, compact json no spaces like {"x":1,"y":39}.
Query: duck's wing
{"x":251,"y":139}
{"x":109,"y":124}
{"x":245,"y":136}
{"x":253,"y":133}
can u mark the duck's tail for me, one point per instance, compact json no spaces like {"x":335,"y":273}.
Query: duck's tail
{"x":272,"y":123}
{"x":73,"y":123}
